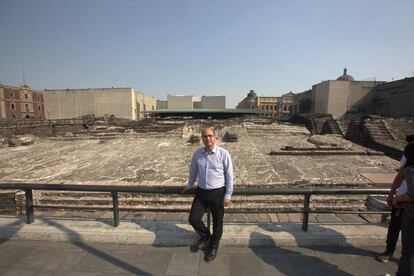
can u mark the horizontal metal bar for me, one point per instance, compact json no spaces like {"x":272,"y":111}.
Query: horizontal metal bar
{"x":228,"y":211}
{"x":178,"y":190}
{"x":98,"y":208}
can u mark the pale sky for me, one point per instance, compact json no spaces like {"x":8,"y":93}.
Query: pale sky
{"x":199,"y":47}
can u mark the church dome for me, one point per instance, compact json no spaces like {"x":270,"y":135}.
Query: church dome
{"x":345,"y":77}
{"x":251,"y":94}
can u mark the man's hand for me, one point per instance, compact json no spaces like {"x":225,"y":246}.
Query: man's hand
{"x":226,"y":202}
{"x":390,"y":198}
{"x":396,"y":203}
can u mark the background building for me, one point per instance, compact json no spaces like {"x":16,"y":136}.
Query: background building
{"x":393,"y":99}
{"x":21,"y":103}
{"x":337,"y":97}
{"x":213,"y":102}
{"x":73,"y":103}
{"x":194,"y":102}
{"x":285,"y":105}
{"x":271,"y":106}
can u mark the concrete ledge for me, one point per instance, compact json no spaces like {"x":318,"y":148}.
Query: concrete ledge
{"x":170,"y":233}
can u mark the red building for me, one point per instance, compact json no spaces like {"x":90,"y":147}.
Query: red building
{"x":21,"y":103}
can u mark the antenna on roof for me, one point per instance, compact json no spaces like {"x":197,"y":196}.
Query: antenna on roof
{"x":24,"y":79}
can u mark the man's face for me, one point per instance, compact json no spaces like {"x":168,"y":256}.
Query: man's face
{"x":209,"y":138}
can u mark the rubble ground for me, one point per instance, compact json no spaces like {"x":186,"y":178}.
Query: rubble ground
{"x":163,"y":159}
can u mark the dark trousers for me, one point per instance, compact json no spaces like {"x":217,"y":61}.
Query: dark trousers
{"x":406,"y":264}
{"x":394,"y":229}
{"x":212,"y":199}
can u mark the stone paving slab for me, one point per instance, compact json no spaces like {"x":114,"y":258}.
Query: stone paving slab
{"x":66,"y":258}
{"x":177,"y":233}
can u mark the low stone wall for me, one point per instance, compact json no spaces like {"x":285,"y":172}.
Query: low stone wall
{"x":12,"y":202}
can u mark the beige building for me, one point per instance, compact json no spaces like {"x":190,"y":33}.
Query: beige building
{"x":213,"y":102}
{"x":73,"y":103}
{"x":337,"y":97}
{"x":194,"y":102}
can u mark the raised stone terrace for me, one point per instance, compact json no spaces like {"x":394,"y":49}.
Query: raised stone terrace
{"x":265,"y":154}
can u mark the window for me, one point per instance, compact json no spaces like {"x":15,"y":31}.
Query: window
{"x":14,"y":116}
{"x":38,"y":107}
{"x":25,"y":96}
{"x":27,"y":107}
{"x":12,"y":106}
{"x":11,"y":94}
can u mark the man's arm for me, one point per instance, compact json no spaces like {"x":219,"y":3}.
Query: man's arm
{"x":228,"y":176}
{"x":192,"y":172}
{"x":409,"y":195}
{"x":395,"y":184}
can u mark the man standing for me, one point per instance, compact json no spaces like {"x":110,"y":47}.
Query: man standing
{"x":398,"y":188}
{"x":213,"y":168}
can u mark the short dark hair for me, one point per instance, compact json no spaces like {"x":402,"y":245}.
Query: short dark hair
{"x":409,"y":154}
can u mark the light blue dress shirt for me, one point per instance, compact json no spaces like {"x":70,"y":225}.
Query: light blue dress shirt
{"x":212,"y":170}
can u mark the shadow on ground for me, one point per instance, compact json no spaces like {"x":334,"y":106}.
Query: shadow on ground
{"x":76,"y":239}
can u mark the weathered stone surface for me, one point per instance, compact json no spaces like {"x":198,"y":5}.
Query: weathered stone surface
{"x":162,"y":158}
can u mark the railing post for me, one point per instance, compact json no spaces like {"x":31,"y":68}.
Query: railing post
{"x":29,"y":206}
{"x":305,"y":219}
{"x":208,"y":219}
{"x":115,"y":208}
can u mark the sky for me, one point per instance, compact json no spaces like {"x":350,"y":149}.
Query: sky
{"x":200,"y":47}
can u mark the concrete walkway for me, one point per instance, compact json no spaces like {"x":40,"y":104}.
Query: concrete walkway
{"x":57,"y":246}
{"x":90,"y":259}
{"x":178,"y":233}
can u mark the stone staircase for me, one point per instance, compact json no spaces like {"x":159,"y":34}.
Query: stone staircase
{"x":377,"y":130}
{"x":331,"y":127}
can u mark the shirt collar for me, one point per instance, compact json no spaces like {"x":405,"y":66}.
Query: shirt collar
{"x":214,"y":150}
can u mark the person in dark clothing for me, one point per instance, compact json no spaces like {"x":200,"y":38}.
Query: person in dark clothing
{"x":398,"y":188}
{"x":406,"y":202}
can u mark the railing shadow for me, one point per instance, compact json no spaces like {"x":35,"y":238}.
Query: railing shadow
{"x":323,"y":267}
{"x":15,"y":228}
{"x":340,"y":240}
{"x":75,"y":238}
{"x":281,"y":261}
{"x":163,"y":230}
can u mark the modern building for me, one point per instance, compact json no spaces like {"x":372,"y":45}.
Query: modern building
{"x":213,"y":102}
{"x":393,"y":99}
{"x":21,"y":103}
{"x":194,"y":102}
{"x":74,"y":103}
{"x":337,"y":97}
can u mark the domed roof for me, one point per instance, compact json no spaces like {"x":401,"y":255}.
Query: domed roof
{"x":251,"y":94}
{"x":345,"y":77}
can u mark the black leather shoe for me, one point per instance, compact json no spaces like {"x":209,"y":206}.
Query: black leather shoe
{"x":200,"y":245}
{"x":211,"y":254}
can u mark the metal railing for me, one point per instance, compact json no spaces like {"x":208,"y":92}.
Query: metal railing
{"x":114,"y":190}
